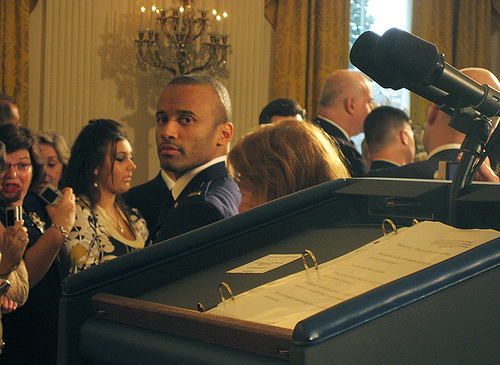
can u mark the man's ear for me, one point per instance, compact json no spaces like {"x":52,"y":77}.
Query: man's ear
{"x":403,"y":137}
{"x":349,"y":105}
{"x":432,"y":115}
{"x":226,"y":131}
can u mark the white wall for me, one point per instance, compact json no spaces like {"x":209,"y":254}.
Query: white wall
{"x":82,"y":66}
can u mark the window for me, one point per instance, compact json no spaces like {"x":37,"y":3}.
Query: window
{"x":379,"y":16}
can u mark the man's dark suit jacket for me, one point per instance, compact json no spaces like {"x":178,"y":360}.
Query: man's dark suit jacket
{"x":148,"y":198}
{"x":380,"y":164}
{"x":358,"y":166}
{"x":210,"y":196}
{"x":419,"y":170}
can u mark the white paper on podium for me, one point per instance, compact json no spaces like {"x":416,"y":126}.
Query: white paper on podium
{"x":288,"y":300}
{"x":265,"y":264}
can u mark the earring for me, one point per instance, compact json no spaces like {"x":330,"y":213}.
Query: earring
{"x":95,"y":185}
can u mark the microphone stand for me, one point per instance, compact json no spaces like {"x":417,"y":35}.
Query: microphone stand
{"x":491,"y":146}
{"x":476,"y":127}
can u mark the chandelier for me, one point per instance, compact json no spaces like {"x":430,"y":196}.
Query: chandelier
{"x":182,"y":40}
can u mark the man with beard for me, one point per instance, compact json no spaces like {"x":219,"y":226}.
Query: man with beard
{"x":193,"y":132}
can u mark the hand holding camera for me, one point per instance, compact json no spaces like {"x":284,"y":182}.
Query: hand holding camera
{"x":51,"y":195}
{"x":63,"y":214}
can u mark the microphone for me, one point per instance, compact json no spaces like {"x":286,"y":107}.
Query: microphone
{"x":417,"y":61}
{"x":362,"y":56}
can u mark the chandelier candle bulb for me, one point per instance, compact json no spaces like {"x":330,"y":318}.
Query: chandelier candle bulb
{"x":224,"y":23}
{"x":181,"y":12}
{"x":153,"y":13}
{"x":218,"y":18}
{"x":157,"y":14}
{"x":214,"y":12}
{"x":143,"y":9}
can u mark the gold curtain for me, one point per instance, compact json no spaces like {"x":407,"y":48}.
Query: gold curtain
{"x":14,"y":15}
{"x":312,"y":40}
{"x":460,"y":29}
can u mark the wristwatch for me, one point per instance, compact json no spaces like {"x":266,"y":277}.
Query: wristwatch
{"x":4,"y":286}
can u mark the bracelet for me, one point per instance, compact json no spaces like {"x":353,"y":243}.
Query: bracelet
{"x":62,"y":230}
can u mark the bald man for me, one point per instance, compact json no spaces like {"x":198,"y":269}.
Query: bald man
{"x":9,"y":112}
{"x":346,"y":99}
{"x":441,"y":142}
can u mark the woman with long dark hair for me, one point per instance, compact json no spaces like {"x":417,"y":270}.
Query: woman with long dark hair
{"x":99,"y":171}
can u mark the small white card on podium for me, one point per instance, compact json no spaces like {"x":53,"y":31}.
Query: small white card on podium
{"x":265,"y":264}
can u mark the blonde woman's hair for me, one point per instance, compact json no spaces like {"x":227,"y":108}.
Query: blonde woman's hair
{"x":281,"y":158}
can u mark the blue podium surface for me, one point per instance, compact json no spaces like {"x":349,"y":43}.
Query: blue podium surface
{"x":146,"y":302}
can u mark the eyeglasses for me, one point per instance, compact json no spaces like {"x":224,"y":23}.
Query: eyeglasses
{"x":18,"y":167}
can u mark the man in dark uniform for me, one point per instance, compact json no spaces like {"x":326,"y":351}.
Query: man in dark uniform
{"x":346,"y":99}
{"x":193,"y":131}
{"x":148,"y":198}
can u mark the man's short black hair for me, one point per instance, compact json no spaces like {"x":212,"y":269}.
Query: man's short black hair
{"x":281,"y":107}
{"x":379,"y":124}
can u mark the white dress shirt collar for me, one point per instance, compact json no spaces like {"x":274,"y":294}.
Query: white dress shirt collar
{"x":170,"y":182}
{"x":182,"y":182}
{"x":449,"y":146}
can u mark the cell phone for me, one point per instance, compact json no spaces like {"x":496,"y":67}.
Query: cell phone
{"x":447,"y":170}
{"x":12,"y":215}
{"x":50,"y":194}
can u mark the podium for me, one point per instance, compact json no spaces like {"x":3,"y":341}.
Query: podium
{"x":143,"y":307}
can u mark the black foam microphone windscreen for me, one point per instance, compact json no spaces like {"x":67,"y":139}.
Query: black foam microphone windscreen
{"x":362,"y":56}
{"x":418,"y":60}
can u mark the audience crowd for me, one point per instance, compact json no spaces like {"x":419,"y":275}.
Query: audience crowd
{"x":95,"y":215}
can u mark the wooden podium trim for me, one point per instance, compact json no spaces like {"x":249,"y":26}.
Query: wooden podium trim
{"x":224,"y":331}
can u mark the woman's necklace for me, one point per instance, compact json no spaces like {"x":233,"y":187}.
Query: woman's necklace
{"x":120,"y":228}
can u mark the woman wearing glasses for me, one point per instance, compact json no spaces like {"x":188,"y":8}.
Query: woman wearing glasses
{"x":30,"y":332}
{"x":13,"y":275}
